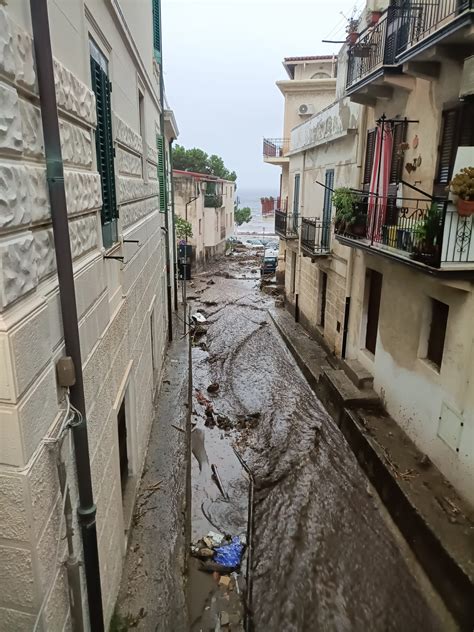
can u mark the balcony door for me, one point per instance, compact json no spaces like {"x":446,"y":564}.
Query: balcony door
{"x":327,"y":207}
{"x":296,"y":202}
{"x":374,"y":294}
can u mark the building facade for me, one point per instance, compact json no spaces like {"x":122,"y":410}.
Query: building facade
{"x":114,"y":140}
{"x":208,"y":204}
{"x":391,"y":293}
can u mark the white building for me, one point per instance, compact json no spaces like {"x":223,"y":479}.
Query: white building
{"x":208,"y":204}
{"x":107,"y":65}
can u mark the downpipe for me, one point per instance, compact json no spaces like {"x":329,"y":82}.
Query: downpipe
{"x":57,"y":196}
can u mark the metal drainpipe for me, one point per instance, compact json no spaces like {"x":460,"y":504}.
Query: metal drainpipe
{"x":175,"y":259}
{"x":57,"y":196}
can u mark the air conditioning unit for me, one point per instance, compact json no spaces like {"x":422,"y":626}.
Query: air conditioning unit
{"x":467,"y":81}
{"x":306,"y":109}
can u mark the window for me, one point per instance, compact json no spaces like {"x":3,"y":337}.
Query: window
{"x":200,"y":227}
{"x":369,"y":158}
{"x":104,"y":145}
{"x":296,"y":195}
{"x":160,"y":145}
{"x":157,"y":29}
{"x":323,"y":284}
{"x":293,"y":272}
{"x":327,"y":208}
{"x":122,"y":441}
{"x":439,"y":321}
{"x":141,"y":122}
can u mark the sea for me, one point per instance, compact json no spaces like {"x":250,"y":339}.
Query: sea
{"x":259,"y":225}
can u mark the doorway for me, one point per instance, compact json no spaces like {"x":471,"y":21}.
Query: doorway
{"x":374,"y":280}
{"x":122,"y":441}
{"x":323,"y":284}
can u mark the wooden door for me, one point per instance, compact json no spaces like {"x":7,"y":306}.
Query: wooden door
{"x":373,"y":310}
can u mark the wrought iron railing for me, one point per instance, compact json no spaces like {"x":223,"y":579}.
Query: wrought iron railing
{"x":427,"y":231}
{"x":275,"y":147}
{"x":417,"y":20}
{"x":366,"y":55}
{"x":286,"y":225}
{"x":316,"y":235}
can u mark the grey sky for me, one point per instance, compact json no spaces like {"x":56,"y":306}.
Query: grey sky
{"x":222,"y":58}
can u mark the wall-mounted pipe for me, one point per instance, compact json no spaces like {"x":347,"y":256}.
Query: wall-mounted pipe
{"x":57,"y":197}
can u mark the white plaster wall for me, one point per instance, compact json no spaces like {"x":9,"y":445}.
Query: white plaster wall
{"x":115,"y":302}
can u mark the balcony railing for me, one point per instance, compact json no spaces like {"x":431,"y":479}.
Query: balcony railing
{"x":399,"y":30}
{"x":212,"y":200}
{"x":367,"y":54}
{"x":275,"y":147}
{"x":286,"y":226}
{"x":429,"y":232}
{"x":316,"y":235}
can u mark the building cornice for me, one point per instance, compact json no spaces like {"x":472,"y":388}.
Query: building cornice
{"x":288,"y":86}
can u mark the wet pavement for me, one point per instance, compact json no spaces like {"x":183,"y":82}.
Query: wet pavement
{"x":326,"y":555}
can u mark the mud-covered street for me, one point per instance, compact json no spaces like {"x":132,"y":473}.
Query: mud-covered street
{"x":326,"y":555}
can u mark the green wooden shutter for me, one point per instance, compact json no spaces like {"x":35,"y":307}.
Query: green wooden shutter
{"x":105,"y":153}
{"x":157,"y":29}
{"x":160,"y":143}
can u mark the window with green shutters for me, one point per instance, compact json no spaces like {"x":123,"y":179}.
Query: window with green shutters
{"x":104,"y":147}
{"x":157,"y":29}
{"x":160,"y":144}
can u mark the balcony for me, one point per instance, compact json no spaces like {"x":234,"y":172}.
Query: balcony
{"x":286,"y":226}
{"x":315,"y":236}
{"x":402,"y":35}
{"x":275,"y":150}
{"x":212,"y":200}
{"x":428,"y":235}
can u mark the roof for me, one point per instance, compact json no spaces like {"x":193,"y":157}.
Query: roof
{"x":289,"y":63}
{"x":198,"y":176}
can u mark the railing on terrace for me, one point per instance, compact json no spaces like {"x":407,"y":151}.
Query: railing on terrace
{"x":212,"y":200}
{"x":316,"y":235}
{"x":286,"y":225}
{"x":427,"y":231}
{"x":368,"y":53}
{"x":275,"y":147}
{"x":418,"y":20}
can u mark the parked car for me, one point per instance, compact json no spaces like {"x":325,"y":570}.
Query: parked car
{"x":268,"y":265}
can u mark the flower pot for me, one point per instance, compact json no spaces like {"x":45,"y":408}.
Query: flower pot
{"x":465,"y":207}
{"x":374,"y":17}
{"x":352,"y":37}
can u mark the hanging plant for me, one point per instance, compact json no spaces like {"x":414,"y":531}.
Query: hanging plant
{"x":462,"y":185}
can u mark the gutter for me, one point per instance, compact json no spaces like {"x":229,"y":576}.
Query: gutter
{"x":57,"y":196}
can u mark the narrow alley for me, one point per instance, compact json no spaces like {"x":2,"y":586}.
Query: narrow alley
{"x":326,"y":555}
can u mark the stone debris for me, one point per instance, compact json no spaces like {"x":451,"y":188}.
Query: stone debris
{"x":213,"y":388}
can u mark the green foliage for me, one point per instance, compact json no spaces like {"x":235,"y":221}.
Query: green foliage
{"x":344,"y":202}
{"x":242,"y":215}
{"x":197,"y":160}
{"x":184,"y":229}
{"x":428,"y":231}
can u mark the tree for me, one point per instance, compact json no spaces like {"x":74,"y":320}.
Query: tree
{"x":184,"y":228}
{"x":242,"y":215}
{"x":197,"y":160}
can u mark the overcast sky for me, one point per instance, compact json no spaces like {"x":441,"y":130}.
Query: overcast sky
{"x":221,"y":60}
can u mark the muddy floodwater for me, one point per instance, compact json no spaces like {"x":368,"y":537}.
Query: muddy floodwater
{"x":326,"y":555}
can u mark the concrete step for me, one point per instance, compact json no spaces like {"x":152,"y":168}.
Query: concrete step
{"x":358,"y":374}
{"x":346,"y":392}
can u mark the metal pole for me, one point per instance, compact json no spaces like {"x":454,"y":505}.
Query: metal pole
{"x":57,"y":196}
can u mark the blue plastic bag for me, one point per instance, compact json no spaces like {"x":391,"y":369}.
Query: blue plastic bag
{"x":229,"y":555}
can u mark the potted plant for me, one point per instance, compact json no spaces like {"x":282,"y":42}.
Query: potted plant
{"x":427,"y":237}
{"x":352,"y":31}
{"x":462,"y":185}
{"x":349,"y":217}
{"x":374,"y":17}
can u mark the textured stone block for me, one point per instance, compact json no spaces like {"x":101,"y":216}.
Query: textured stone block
{"x":25,"y":73}
{"x":83,"y":234}
{"x":72,"y":95}
{"x":125,"y":135}
{"x":11,"y":140}
{"x":38,"y":195}
{"x":132,"y":213}
{"x":18,"y":270}
{"x":152,"y":171}
{"x":11,"y":451}
{"x":130,"y":189}
{"x":152,"y":154}
{"x":83,"y":192}
{"x":14,"y":203}
{"x":16,"y":579}
{"x":44,"y":488}
{"x":32,"y":130}
{"x":76,"y":144}
{"x":128,"y":163}
{"x":14,"y":523}
{"x":44,"y":252}
{"x":7,"y":60}
{"x":7,"y":388}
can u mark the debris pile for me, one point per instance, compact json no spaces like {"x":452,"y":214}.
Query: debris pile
{"x":219,"y":553}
